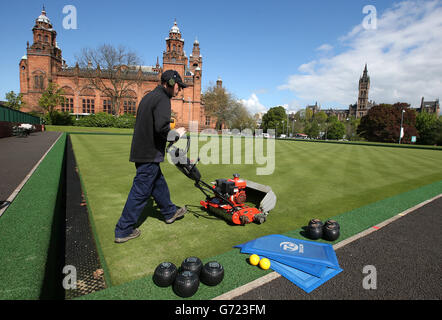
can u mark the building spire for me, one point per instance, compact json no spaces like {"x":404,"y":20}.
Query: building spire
{"x":365,"y":74}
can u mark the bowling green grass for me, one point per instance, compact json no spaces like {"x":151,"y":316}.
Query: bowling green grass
{"x":311,"y":180}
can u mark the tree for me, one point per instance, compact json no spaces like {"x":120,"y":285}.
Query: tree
{"x":438,"y":140}
{"x":275,"y":119}
{"x":320,"y":117}
{"x":308,"y":114}
{"x":427,"y":125}
{"x":383,"y":123}
{"x":336,"y":131}
{"x":242,"y":119}
{"x":51,"y":98}
{"x":112,"y":71}
{"x":219,"y":103}
{"x":312,"y":130}
{"x":351,"y":127}
{"x":14,"y":101}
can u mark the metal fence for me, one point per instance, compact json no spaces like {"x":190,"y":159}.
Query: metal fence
{"x":11,"y":115}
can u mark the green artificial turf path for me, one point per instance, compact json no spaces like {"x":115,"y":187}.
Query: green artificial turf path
{"x":311,"y":180}
{"x":30,"y":233}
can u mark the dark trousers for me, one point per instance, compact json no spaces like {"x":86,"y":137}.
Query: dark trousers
{"x":149,"y":181}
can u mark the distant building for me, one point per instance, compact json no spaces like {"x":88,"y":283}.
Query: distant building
{"x":43,"y":63}
{"x":429,"y":106}
{"x":361,"y":107}
{"x":315,"y":108}
{"x":341,"y":114}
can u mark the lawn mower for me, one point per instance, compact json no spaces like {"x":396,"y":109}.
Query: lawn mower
{"x":226,"y":198}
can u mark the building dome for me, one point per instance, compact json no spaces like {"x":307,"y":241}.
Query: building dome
{"x":175,"y":28}
{"x":43,"y":17}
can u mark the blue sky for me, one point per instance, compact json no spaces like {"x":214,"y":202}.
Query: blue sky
{"x":267,"y":53}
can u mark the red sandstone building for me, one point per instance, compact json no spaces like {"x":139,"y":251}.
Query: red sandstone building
{"x":43,"y":63}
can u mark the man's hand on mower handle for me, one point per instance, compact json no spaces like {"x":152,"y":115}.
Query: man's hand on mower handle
{"x":181,"y":131}
{"x":174,"y":135}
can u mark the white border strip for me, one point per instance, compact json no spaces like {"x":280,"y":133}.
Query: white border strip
{"x":20,"y":186}
{"x":274,"y":275}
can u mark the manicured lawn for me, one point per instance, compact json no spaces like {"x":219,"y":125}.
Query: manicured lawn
{"x":89,"y":129}
{"x":310,"y":180}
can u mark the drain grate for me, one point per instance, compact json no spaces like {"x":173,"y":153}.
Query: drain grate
{"x":80,"y":250}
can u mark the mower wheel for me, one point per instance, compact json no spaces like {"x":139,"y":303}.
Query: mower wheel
{"x":244,"y":220}
{"x":260,"y":218}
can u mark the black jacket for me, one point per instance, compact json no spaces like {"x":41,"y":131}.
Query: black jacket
{"x":152,"y":126}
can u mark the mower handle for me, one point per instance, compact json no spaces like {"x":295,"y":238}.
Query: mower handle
{"x":171,"y":143}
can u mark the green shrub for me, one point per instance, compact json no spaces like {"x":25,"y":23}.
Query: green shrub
{"x":58,"y":118}
{"x":101,"y":119}
{"x":125,"y":121}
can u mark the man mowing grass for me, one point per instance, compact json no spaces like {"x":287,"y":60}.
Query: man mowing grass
{"x":151,"y":133}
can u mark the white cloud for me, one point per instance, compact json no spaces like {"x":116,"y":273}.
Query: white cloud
{"x":403,"y":55}
{"x":253,"y":105}
{"x":325,"y":47}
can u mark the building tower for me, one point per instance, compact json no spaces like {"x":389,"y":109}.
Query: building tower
{"x":364,"y":87}
{"x":195,"y":59}
{"x":219,"y":82}
{"x":174,"y":57}
{"x":42,"y":60}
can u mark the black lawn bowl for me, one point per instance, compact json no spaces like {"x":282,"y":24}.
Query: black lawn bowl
{"x":316,"y":221}
{"x":186,"y":284}
{"x":193,"y":264}
{"x":314,"y":231}
{"x":331,"y":232}
{"x":212,"y":273}
{"x":165,"y":274}
{"x":332,"y":222}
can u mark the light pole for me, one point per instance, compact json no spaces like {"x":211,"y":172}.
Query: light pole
{"x":401,"y":133}
{"x":287,"y":125}
{"x":190,"y":110}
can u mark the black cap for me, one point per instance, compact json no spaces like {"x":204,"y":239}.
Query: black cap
{"x":174,"y":75}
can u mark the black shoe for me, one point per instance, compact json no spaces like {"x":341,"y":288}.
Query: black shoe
{"x":136,"y":233}
{"x":178,"y":214}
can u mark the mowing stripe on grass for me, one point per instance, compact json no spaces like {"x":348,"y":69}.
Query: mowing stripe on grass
{"x":305,"y":189}
{"x":32,"y":233}
{"x":368,"y":143}
{"x":94,"y":230}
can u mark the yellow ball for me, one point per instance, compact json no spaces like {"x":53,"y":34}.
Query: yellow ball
{"x":254,"y":259}
{"x":264,"y":263}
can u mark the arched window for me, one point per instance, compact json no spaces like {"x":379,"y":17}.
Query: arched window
{"x":38,"y":82}
{"x":129,"y":102}
{"x":68,"y":104}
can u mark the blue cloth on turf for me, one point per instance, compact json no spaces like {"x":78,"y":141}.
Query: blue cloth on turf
{"x":307,"y":264}
{"x":305,"y":281}
{"x":289,"y":250}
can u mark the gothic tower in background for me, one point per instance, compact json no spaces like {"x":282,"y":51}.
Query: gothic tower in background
{"x":364,"y":87}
